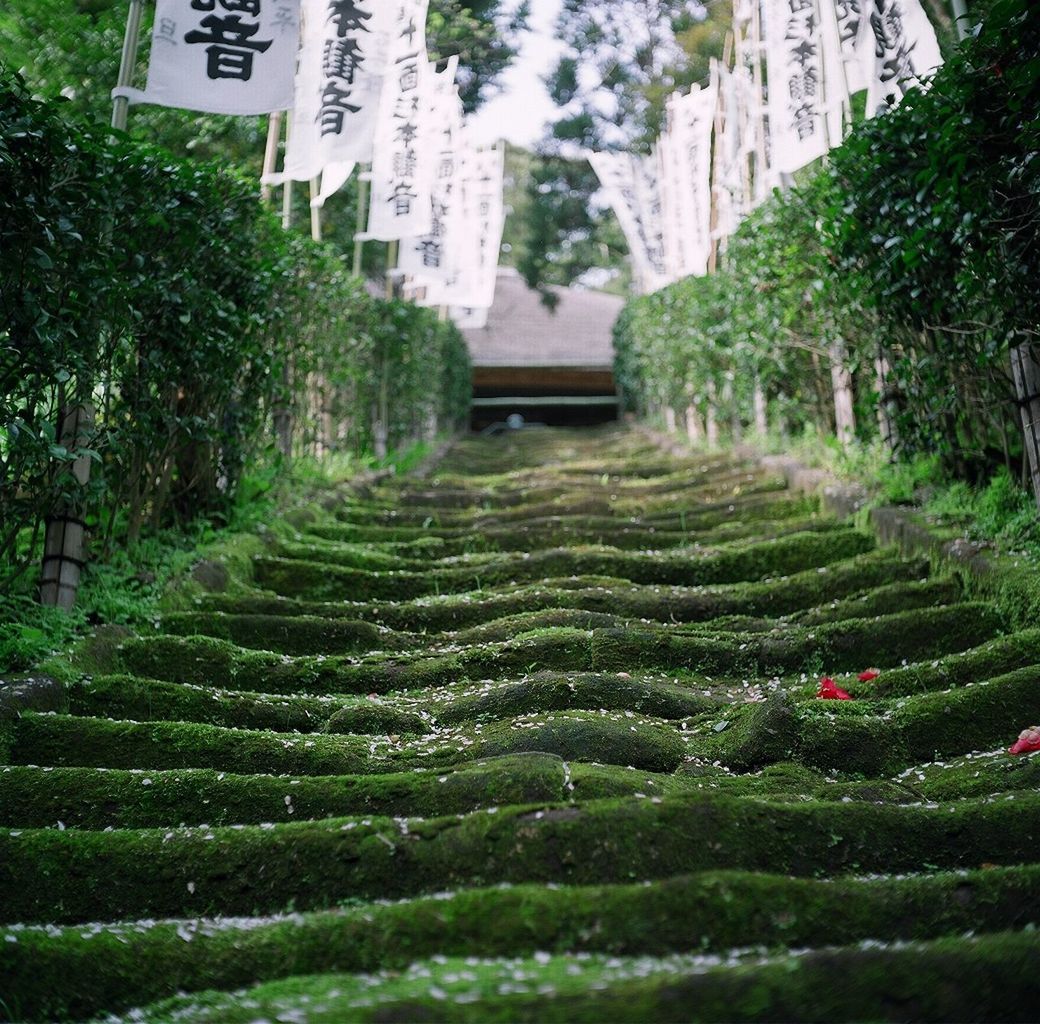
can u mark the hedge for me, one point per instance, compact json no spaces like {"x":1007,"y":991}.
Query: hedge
{"x":902,"y":273}
{"x":159,"y":292}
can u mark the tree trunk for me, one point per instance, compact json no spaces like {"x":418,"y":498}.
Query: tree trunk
{"x":283,"y":417}
{"x":841,"y":384}
{"x":712,"y":422}
{"x":669,"y":419}
{"x":694,"y":426}
{"x":886,"y":404}
{"x":761,"y":416}
{"x":63,"y":547}
{"x":1025,"y":368}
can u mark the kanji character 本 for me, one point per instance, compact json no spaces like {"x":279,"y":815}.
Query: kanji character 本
{"x":406,"y":133}
{"x":342,"y":58}
{"x":348,"y":16}
{"x":335,"y":104}
{"x":232,"y":48}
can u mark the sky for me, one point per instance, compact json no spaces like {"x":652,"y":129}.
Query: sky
{"x":519,"y":113}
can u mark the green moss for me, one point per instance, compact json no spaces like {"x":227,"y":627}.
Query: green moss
{"x":978,"y":978}
{"x":750,"y":561}
{"x":76,"y":876}
{"x":894,"y":597}
{"x":287,"y":635}
{"x":91,"y":798}
{"x":874,"y":738}
{"x":151,"y":700}
{"x":985,"y":661}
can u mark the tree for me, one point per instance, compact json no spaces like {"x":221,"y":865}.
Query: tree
{"x":622,"y":59}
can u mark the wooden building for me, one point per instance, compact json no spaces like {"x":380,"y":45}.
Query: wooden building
{"x":549,"y":366}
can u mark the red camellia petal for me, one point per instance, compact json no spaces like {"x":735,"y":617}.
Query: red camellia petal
{"x":829,"y":690}
{"x":868,"y":675}
{"x":1028,"y":741}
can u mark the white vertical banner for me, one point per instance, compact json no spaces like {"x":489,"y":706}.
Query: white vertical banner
{"x":403,"y":158}
{"x":489,"y":190}
{"x":905,"y":51}
{"x":426,"y":259}
{"x":857,"y":40}
{"x":835,"y":81}
{"x":629,"y":186}
{"x":339,"y":83}
{"x":669,"y":181}
{"x":222,"y":56}
{"x":794,"y":69}
{"x":462,"y":286}
{"x":692,"y":120}
{"x":730,"y":166}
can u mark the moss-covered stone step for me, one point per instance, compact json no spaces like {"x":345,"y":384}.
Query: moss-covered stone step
{"x":811,"y":588}
{"x":1004,"y":654}
{"x":75,"y":973}
{"x":612,"y":737}
{"x":304,"y":634}
{"x":861,"y":737}
{"x":100,"y":798}
{"x":834,"y":647}
{"x":299,"y":634}
{"x":571,"y":504}
{"x":556,"y":531}
{"x":73,"y":876}
{"x":975,"y":977}
{"x":140,"y":699}
{"x":751,"y":561}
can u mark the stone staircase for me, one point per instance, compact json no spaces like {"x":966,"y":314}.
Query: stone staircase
{"x":539,"y":739}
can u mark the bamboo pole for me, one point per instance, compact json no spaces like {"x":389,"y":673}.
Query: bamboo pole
{"x":274,"y":134}
{"x":392,"y":251}
{"x":64,"y":548}
{"x":362,"y":203}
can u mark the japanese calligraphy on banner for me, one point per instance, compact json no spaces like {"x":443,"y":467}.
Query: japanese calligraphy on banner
{"x":481,"y":221}
{"x":905,"y":50}
{"x":339,"y":82}
{"x":404,"y":160}
{"x":686,"y":198}
{"x":427,"y":259}
{"x":630,"y":186}
{"x":730,"y":187}
{"x":794,"y":66}
{"x":222,"y":56}
{"x":856,"y":39}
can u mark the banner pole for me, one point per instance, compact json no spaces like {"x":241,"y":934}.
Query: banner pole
{"x":315,"y":210}
{"x":392,"y":249}
{"x":274,"y":132}
{"x":127,"y":62}
{"x":362,"y":203}
{"x":287,"y":188}
{"x":960,"y":18}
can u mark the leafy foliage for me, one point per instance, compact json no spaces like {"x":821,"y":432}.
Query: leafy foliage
{"x":916,"y":245}
{"x":621,"y":60}
{"x":159,"y":292}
